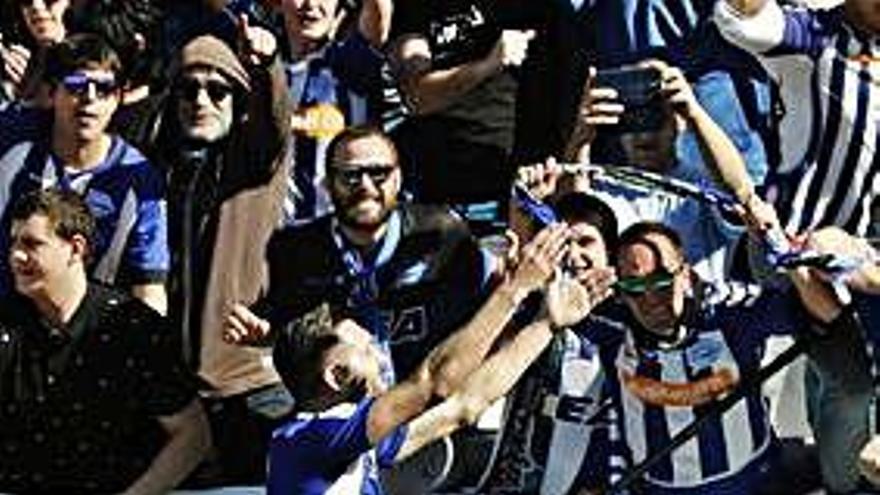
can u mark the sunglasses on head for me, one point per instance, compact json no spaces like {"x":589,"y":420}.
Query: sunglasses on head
{"x":351,"y":175}
{"x":217,"y":91}
{"x":78,"y":84}
{"x":638,"y":286}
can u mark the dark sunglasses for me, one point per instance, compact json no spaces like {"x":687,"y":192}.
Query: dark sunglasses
{"x":638,"y":286}
{"x":351,"y":176}
{"x":217,"y":91}
{"x":78,"y":84}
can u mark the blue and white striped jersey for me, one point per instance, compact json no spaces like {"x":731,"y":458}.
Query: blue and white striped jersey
{"x":329,"y":453}
{"x":341,"y":85}
{"x":830,"y":172}
{"x":555,"y":424}
{"x":658,"y":390}
{"x":124,"y":193}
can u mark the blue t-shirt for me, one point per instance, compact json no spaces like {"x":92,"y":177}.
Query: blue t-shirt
{"x":329,"y":453}
{"x":124,"y":193}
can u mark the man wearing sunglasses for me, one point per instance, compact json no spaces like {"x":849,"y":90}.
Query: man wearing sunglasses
{"x":220,"y":142}
{"x":410,"y":273}
{"x":70,"y":148}
{"x":685,"y":345}
{"x":335,"y":78}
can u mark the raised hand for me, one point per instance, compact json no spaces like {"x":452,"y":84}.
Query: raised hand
{"x":512,"y":47}
{"x":674,"y":88}
{"x":15,"y":60}
{"x":539,"y":258}
{"x":598,"y":106}
{"x":540,"y":178}
{"x":759,"y":216}
{"x":569,"y":300}
{"x":257,"y":45}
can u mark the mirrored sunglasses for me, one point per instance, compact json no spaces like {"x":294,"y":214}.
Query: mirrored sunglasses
{"x":78,"y":84}
{"x":639,"y":286}
{"x":351,"y":176}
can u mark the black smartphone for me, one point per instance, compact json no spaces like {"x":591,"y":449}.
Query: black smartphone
{"x":638,"y":88}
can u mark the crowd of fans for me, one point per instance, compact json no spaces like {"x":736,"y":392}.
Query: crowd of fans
{"x":304,"y":245}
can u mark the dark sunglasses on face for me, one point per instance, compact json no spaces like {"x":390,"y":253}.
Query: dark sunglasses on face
{"x":78,"y":84}
{"x":189,"y":89}
{"x":638,"y":286}
{"x":350,"y":176}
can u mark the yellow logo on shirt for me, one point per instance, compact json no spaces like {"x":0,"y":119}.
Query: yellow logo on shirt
{"x":321,"y":121}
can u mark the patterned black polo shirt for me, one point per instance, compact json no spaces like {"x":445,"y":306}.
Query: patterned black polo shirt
{"x":78,"y":404}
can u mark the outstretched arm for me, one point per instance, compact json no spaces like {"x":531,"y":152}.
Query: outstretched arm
{"x":567,"y":302}
{"x":460,"y":354}
{"x":492,"y":380}
{"x":718,"y":151}
{"x":834,"y":240}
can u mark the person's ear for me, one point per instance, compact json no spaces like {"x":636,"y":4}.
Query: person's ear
{"x":336,"y":376}
{"x":79,"y":247}
{"x":397,"y":178}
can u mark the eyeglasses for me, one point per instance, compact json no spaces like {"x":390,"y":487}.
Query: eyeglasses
{"x":351,"y":176}
{"x":189,"y":89}
{"x":658,"y":281}
{"x":78,"y":84}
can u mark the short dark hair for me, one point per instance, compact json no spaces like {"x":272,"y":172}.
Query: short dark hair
{"x":120,"y":22}
{"x":355,"y":133}
{"x":299,"y":352}
{"x":78,"y":52}
{"x":580,"y":207}
{"x":67,"y":212}
{"x":637,"y":232}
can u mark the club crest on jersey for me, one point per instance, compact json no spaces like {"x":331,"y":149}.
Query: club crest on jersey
{"x":412,"y":275}
{"x":409,"y":325}
{"x":100,"y":203}
{"x":704,"y":353}
{"x":321,"y":121}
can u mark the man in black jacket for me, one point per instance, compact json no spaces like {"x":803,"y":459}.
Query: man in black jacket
{"x":410,"y":273}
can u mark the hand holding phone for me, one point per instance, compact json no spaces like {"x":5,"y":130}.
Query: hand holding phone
{"x":639,"y":90}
